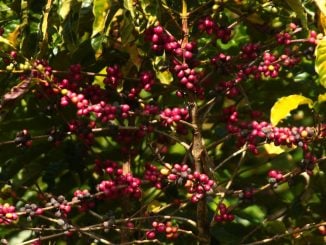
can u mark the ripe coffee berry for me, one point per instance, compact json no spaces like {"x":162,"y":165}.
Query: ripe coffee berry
{"x":275,"y":177}
{"x":113,"y":76}
{"x":174,"y":115}
{"x":153,"y":175}
{"x":223,"y":214}
{"x":7,"y":214}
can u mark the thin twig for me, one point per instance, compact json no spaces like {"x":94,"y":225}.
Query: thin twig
{"x":307,"y":227}
{"x":244,"y":148}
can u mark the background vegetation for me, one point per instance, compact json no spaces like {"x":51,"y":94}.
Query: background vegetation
{"x":168,"y":122}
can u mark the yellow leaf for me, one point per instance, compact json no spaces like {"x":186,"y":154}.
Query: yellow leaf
{"x":285,"y":105}
{"x":99,"y":79}
{"x":272,"y":149}
{"x":165,"y":77}
{"x":322,"y":98}
{"x":321,"y":5}
{"x":320,"y":64}
{"x":154,"y":207}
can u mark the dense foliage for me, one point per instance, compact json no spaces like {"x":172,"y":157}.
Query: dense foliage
{"x":173,"y":122}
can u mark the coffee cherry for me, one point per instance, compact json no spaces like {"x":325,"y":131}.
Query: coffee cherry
{"x":150,"y":235}
{"x":223,"y":214}
{"x":7,"y":214}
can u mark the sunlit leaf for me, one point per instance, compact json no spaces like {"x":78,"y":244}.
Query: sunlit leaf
{"x":151,"y":11}
{"x":164,"y":77}
{"x":255,"y":212}
{"x":271,"y":149}
{"x":322,"y":98}
{"x":321,"y":5}
{"x":129,"y":5}
{"x":134,"y":55}
{"x":99,"y":79}
{"x":100,"y":11}
{"x":6,"y":42}
{"x":154,"y":206}
{"x":320,"y":64}
{"x":64,"y":8}
{"x":285,"y":105}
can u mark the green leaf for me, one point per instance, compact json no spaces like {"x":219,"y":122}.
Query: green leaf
{"x":299,"y":10}
{"x":129,"y":5}
{"x":285,"y":105}
{"x":275,"y":227}
{"x":100,"y":11}
{"x":320,"y":64}
{"x":97,"y":45}
{"x":151,"y":11}
{"x":255,"y":213}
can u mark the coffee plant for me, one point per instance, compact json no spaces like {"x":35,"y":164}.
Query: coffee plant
{"x":162,"y":122}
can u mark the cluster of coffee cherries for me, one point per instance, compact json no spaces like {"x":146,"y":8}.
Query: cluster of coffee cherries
{"x":208,"y":25}
{"x":113,"y":76}
{"x":23,"y":139}
{"x":269,"y":67}
{"x":230,"y":88}
{"x":162,"y":41}
{"x":84,"y":198}
{"x":308,"y":162}
{"x":74,"y":79}
{"x":153,"y":175}
{"x":174,"y":115}
{"x":275,"y":176}
{"x":187,"y":76}
{"x":31,"y":210}
{"x":150,"y":109}
{"x":7,"y":214}
{"x":83,"y":130}
{"x":283,"y":38}
{"x":197,"y":184}
{"x":255,"y":132}
{"x":102,"y":110}
{"x":313,"y":37}
{"x":223,"y":214}
{"x":129,"y":140}
{"x":168,"y":229}
{"x":62,"y":206}
{"x":41,"y":69}
{"x":147,"y":79}
{"x":220,"y":59}
{"x":119,"y":184}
